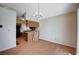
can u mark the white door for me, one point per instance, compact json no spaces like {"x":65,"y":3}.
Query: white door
{"x":7,"y":29}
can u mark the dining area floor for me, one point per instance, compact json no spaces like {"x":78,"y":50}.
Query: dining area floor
{"x":39,"y":47}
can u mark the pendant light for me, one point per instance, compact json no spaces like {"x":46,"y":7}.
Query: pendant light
{"x":38,"y":15}
{"x":23,"y":17}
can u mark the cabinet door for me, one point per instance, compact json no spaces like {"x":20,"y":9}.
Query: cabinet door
{"x":32,"y":24}
{"x":7,"y":29}
{"x":30,"y":36}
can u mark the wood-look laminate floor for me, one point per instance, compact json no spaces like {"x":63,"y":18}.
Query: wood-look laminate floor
{"x":40,"y":47}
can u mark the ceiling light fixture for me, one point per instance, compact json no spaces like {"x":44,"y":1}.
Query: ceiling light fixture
{"x":38,"y":15}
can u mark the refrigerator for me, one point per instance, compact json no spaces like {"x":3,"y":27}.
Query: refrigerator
{"x":7,"y":29}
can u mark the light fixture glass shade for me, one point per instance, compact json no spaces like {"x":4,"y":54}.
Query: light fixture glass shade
{"x":38,"y":16}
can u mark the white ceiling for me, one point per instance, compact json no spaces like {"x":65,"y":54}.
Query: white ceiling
{"x":46,"y":9}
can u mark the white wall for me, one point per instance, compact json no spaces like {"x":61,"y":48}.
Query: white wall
{"x":8,"y":31}
{"x":59,"y":29}
{"x":78,"y":31}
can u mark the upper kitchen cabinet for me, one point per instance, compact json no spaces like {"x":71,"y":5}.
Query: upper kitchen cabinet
{"x":29,"y":23}
{"x":18,"y":22}
{"x":32,"y":23}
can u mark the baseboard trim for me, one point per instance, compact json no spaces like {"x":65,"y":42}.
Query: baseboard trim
{"x":12,"y":46}
{"x":58,"y":43}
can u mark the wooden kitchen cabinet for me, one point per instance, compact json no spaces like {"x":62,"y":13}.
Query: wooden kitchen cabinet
{"x":28,"y":23}
{"x":18,"y":22}
{"x":28,"y":36}
{"x":32,"y":24}
{"x":32,"y":36}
